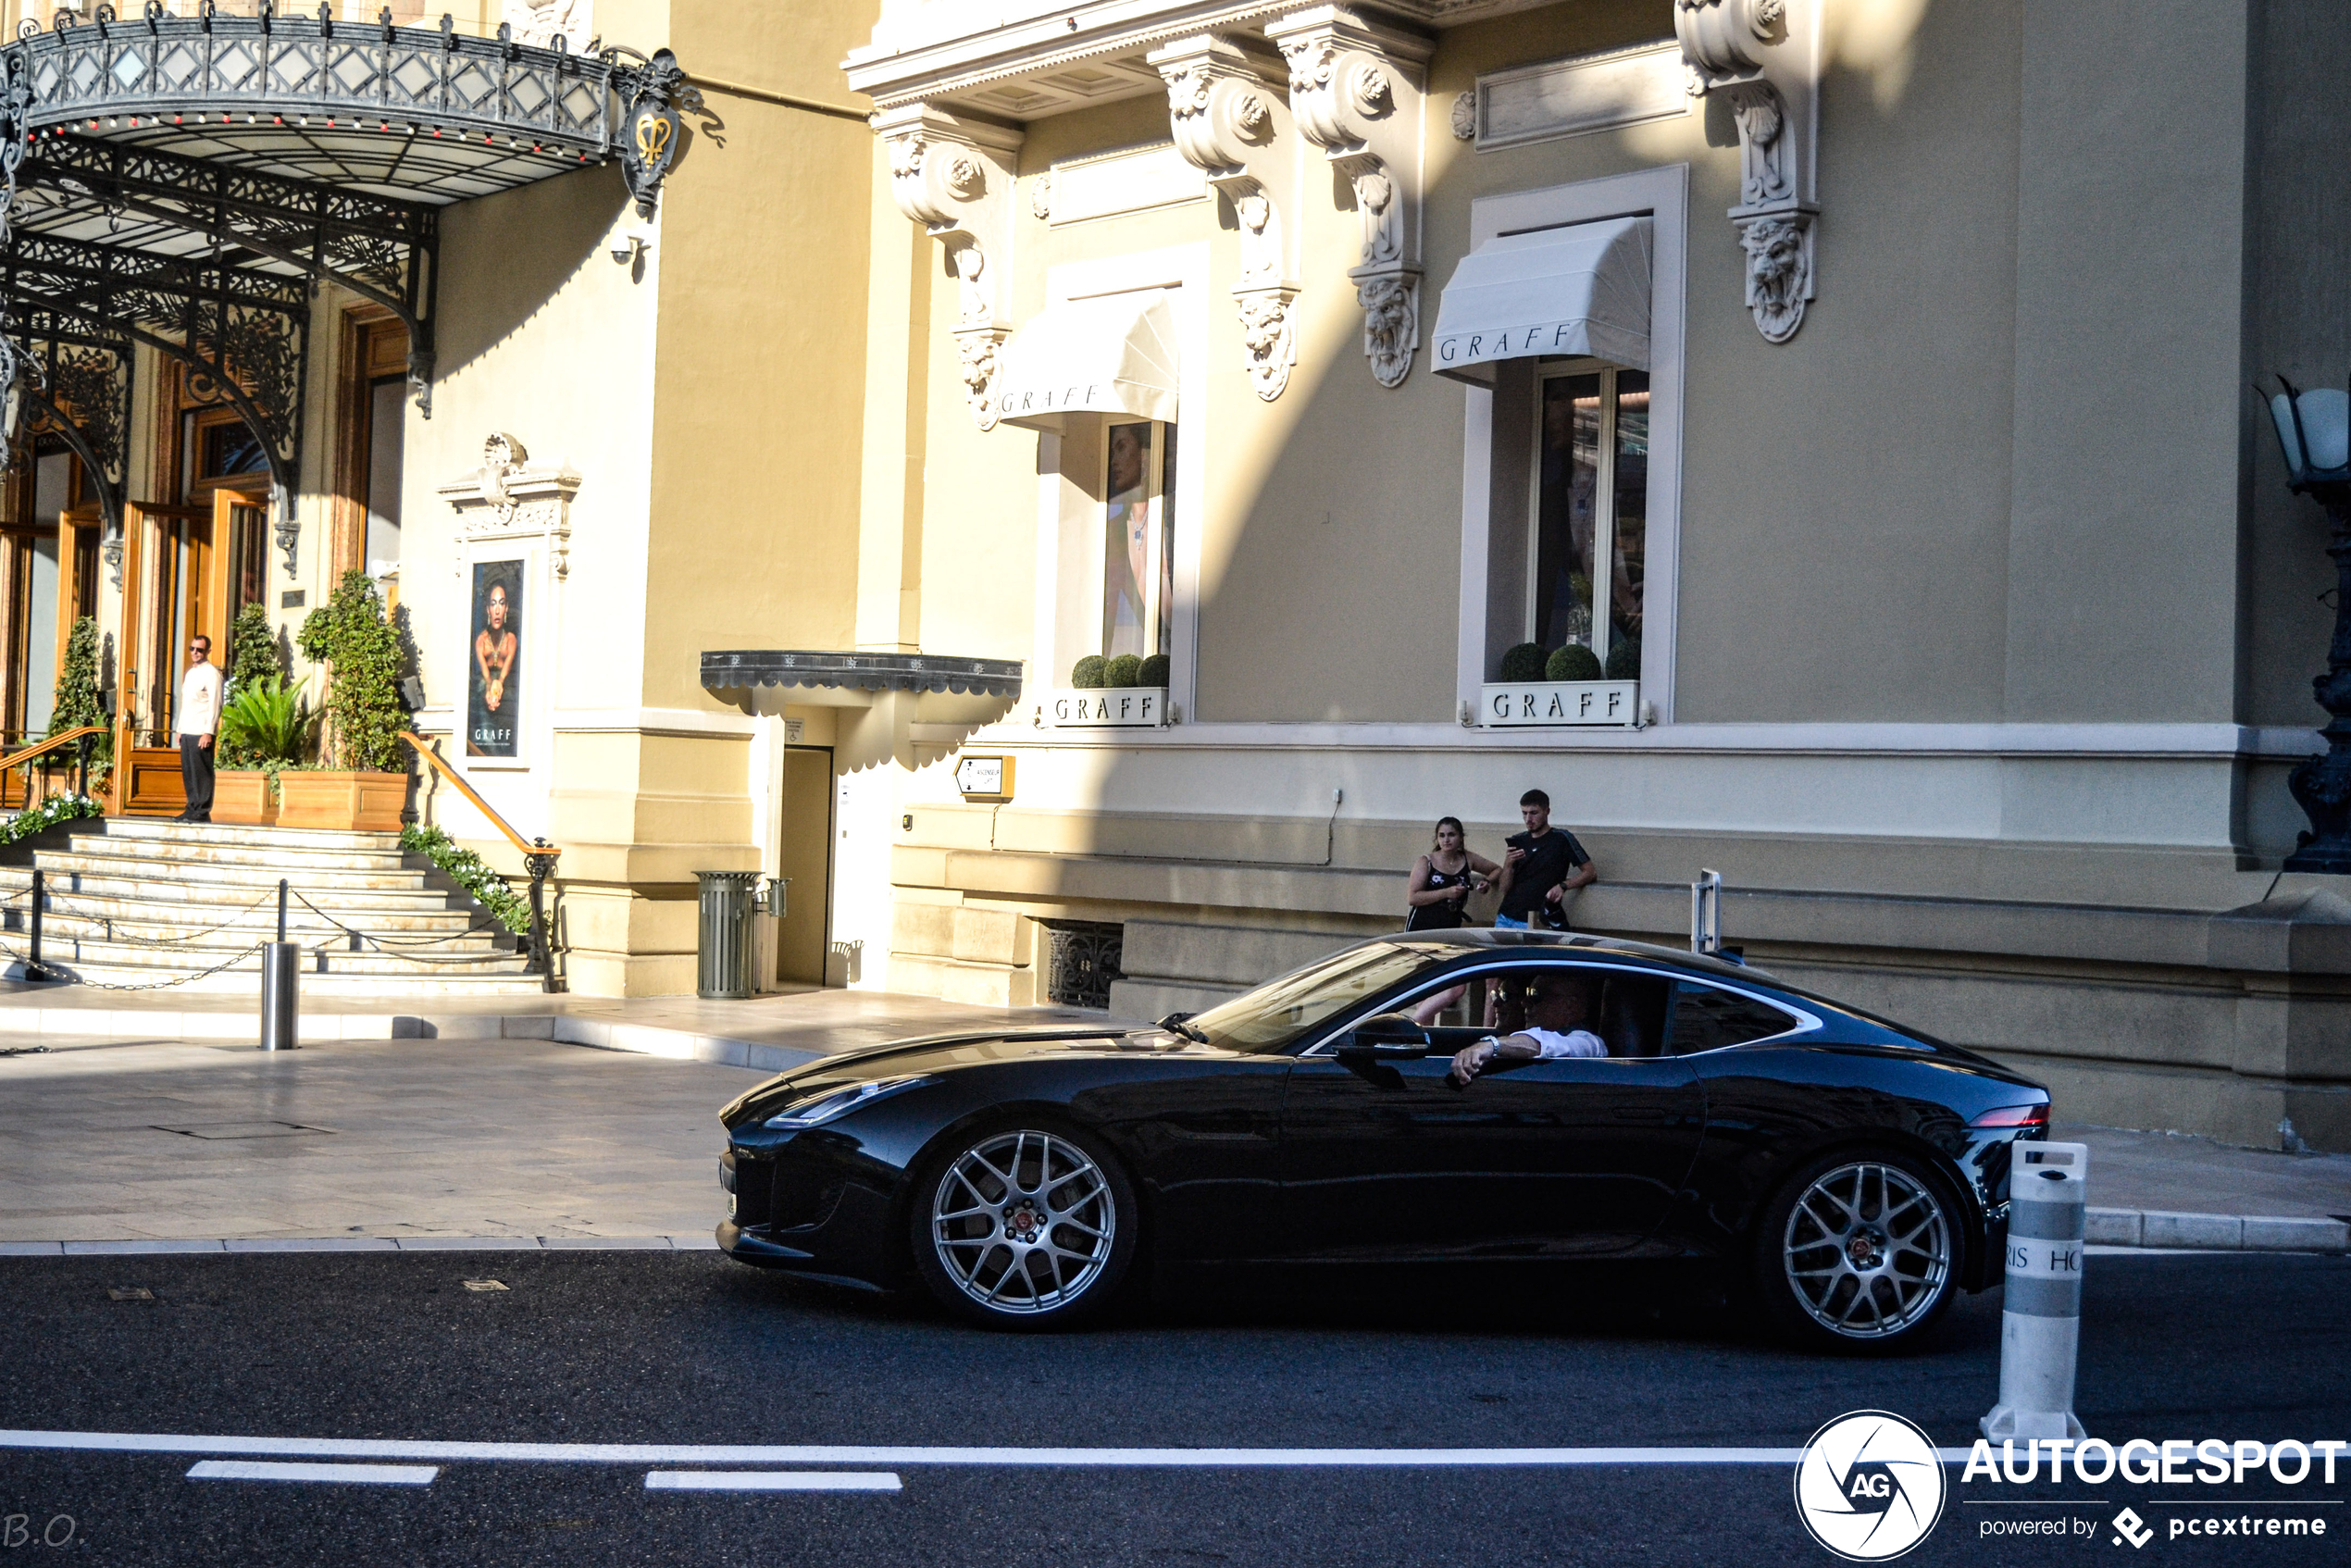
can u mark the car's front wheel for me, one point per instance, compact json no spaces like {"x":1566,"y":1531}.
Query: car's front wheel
{"x":1024,"y":1228}
{"x":1859,"y":1251}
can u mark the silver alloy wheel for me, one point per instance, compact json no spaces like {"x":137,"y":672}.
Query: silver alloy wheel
{"x":1023,"y":1221}
{"x":1867,"y":1250}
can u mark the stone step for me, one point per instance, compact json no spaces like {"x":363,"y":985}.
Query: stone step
{"x":162,"y":852}
{"x":219,"y":940}
{"x":320,"y":958}
{"x":245,"y":981}
{"x":142,"y":868}
{"x":178,"y":910}
{"x":225,"y":898}
{"x":165,"y":829}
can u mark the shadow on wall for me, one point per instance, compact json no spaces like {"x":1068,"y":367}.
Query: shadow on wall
{"x":540,"y":236}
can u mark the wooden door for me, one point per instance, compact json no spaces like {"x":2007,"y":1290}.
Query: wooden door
{"x":805,"y":931}
{"x":240,"y":565}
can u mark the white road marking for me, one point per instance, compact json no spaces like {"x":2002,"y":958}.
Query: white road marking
{"x":267,"y":1470}
{"x":770,"y":1481}
{"x":901,"y":1454}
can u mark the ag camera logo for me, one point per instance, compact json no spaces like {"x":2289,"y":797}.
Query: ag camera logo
{"x":1869,"y":1485}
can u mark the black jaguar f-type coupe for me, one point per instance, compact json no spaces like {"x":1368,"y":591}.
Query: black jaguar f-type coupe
{"x":1853,"y":1174}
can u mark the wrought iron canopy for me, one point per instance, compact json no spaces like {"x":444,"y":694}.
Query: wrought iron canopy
{"x":184,"y":182}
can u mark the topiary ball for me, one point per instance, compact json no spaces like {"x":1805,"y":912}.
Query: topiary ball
{"x":1154,"y":671}
{"x":1575,"y":662}
{"x":1522,"y":663}
{"x":1624,"y":660}
{"x":1086,"y":674}
{"x":1124,"y":670}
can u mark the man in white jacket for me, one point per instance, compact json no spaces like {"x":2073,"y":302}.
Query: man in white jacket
{"x":195,"y":720}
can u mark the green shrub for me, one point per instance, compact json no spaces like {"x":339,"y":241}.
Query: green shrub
{"x":1086,"y":674}
{"x":264,"y":722}
{"x":1624,"y":660}
{"x":78,"y":701}
{"x":364,"y":714}
{"x":1574,"y":662}
{"x":253,"y":649}
{"x":1154,"y":671}
{"x":48,"y":814}
{"x":1522,"y":663}
{"x":1124,"y":670}
{"x":472,"y":872}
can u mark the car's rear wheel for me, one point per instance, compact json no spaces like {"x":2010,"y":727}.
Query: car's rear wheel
{"x":1859,"y":1251}
{"x":1024,"y":1227}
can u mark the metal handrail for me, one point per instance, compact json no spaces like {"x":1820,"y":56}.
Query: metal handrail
{"x":538,"y":856}
{"x":41,"y":747}
{"x":424,"y":749}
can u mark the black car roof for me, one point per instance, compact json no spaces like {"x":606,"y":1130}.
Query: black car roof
{"x":1472,"y":938}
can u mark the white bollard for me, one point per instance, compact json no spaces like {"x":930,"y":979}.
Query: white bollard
{"x":2041,"y":1315}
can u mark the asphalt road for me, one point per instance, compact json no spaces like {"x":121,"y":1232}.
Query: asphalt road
{"x":648,"y":1348}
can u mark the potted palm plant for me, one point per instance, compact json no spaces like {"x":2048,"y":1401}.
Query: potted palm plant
{"x":264,"y":728}
{"x":364,"y":785}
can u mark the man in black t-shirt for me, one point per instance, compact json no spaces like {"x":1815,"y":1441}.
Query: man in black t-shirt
{"x":1545,"y":864}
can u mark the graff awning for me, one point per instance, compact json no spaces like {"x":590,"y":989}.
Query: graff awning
{"x":1580,"y":289}
{"x":1112,"y":354}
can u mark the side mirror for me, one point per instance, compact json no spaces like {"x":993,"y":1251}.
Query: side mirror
{"x":1385,"y":1037}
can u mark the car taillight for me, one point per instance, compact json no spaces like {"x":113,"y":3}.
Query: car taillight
{"x":2015,"y":1116}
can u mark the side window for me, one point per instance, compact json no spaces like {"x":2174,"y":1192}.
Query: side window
{"x":1705,"y":1018}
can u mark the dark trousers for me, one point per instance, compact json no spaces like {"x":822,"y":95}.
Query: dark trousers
{"x":195,"y":778}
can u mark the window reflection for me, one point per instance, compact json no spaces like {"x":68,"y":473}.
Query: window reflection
{"x":1591,"y":512}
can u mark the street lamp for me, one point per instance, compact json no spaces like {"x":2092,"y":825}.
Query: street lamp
{"x":2314,"y":429}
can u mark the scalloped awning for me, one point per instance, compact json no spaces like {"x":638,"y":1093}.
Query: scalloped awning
{"x":1580,"y":289}
{"x":819,"y":670}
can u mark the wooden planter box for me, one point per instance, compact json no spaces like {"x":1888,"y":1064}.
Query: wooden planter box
{"x":242,"y":796}
{"x":344,"y":803}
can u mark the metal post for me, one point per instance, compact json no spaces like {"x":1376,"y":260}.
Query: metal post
{"x":281,"y":986}
{"x":2040,"y":1312}
{"x":541,"y":867}
{"x":1706,"y":913}
{"x":35,"y":969}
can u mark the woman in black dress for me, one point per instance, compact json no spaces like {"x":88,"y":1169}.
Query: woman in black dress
{"x":1442,"y":882}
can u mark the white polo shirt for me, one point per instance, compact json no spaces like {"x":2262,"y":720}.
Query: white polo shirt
{"x":1578,"y":1043}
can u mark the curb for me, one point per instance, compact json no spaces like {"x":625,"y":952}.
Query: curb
{"x":318,"y":1028}
{"x":2162,"y":1229}
{"x":363,"y":1244}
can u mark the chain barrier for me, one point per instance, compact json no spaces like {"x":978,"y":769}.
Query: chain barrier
{"x":229,"y":962}
{"x":107,"y":921}
{"x":387,"y":948}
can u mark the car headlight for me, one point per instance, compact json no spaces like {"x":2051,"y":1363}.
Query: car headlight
{"x":832,"y":1104}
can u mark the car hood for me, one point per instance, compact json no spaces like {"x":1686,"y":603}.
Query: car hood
{"x":935,"y":1053}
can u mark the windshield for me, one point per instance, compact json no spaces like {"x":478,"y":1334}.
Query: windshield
{"x":1274,"y":1014}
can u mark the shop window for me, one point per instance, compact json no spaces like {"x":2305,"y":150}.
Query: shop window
{"x":371,"y":424}
{"x":1138,"y":547}
{"x":1590,"y":509}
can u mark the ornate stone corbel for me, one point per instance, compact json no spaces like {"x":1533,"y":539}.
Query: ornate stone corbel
{"x":1758,"y":56}
{"x":509,"y":497}
{"x":1355,"y":89}
{"x":1229,"y":121}
{"x":955,"y":178}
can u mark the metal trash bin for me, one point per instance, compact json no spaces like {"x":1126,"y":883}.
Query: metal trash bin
{"x":728,"y":899}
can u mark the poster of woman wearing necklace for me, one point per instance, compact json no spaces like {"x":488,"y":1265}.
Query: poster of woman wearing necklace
{"x":493,"y":675}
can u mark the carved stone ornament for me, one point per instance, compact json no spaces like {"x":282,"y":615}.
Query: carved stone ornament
{"x":1465,"y":117}
{"x":1356,"y":90}
{"x":955,"y":177}
{"x":511,"y":498}
{"x":1229,"y":121}
{"x":1757,"y":55}
{"x":1040,"y":197}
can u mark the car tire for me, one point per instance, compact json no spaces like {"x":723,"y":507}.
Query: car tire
{"x":1024,"y":1225}
{"x":1859,"y":1251}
